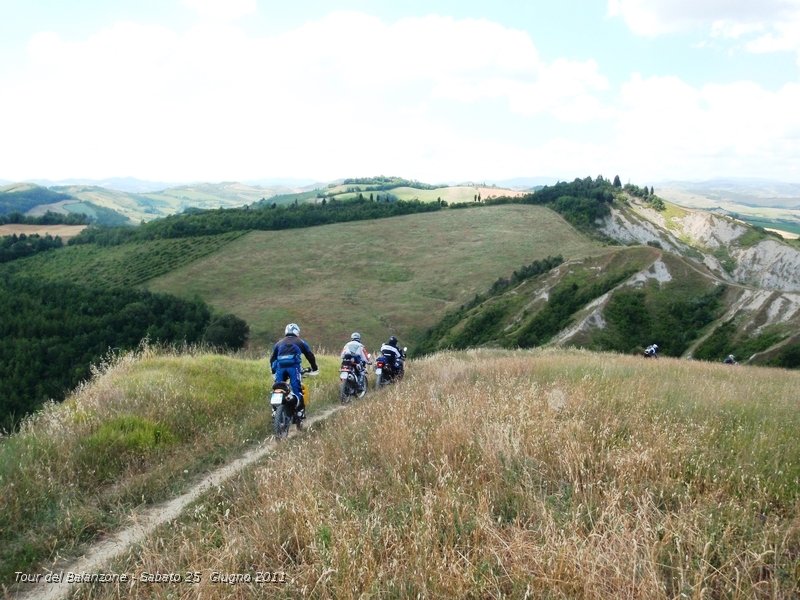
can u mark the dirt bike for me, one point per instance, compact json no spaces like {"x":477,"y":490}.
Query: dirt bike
{"x":284,"y":405}
{"x":348,"y":379}
{"x":650,"y":352}
{"x":385,"y":372}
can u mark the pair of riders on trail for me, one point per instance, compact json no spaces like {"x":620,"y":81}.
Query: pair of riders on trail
{"x":355,"y":349}
{"x":286,"y":358}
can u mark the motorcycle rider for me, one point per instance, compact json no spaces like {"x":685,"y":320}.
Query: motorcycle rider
{"x":390,"y":349}
{"x":357,"y":349}
{"x":651,"y":351}
{"x":730,"y":360}
{"x":286,"y":359}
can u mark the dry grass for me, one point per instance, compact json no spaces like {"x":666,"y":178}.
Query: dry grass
{"x":516,"y":474}
{"x":140,"y":431}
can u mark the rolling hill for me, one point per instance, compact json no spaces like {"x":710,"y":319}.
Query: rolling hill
{"x":117,"y":206}
{"x":702,"y":286}
{"x":628,"y":269}
{"x":395,"y":275}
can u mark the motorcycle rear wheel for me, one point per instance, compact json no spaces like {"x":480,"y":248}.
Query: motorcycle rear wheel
{"x":345,"y":395}
{"x":281,"y":421}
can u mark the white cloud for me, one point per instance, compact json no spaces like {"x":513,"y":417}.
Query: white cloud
{"x":667,"y":125}
{"x":345,"y":92}
{"x":433,"y":98}
{"x":763,"y":26}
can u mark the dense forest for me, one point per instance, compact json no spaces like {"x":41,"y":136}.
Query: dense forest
{"x":52,"y":332}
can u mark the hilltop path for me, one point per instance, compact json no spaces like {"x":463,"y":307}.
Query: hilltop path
{"x":100,"y":555}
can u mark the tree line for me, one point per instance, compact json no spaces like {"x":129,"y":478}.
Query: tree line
{"x":271,"y":217}
{"x":48,"y":218}
{"x":16,"y":246}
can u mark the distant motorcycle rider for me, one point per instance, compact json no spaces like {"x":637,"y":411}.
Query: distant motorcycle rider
{"x":390,"y":349}
{"x":357,"y":350}
{"x":651,"y":351}
{"x":730,"y":360}
{"x":286,"y":359}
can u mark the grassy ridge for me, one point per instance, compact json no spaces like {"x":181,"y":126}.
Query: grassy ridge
{"x":512,"y":474}
{"x":138,"y":433}
{"x":389,"y":275}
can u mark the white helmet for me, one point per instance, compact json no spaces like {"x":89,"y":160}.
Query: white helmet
{"x":292,"y":329}
{"x":356,"y":336}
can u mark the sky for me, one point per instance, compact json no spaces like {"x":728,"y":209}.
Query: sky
{"x":441,"y":91}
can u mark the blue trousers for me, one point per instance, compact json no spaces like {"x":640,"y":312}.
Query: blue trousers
{"x":293,"y":375}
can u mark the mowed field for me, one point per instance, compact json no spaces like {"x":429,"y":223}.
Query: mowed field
{"x":63,"y":231}
{"x":397,"y":275}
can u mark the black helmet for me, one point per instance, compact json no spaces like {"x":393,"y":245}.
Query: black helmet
{"x":392,"y":341}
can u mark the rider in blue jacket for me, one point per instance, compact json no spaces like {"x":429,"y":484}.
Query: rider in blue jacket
{"x":286,"y":358}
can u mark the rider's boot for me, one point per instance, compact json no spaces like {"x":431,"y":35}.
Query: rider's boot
{"x":300,"y":415}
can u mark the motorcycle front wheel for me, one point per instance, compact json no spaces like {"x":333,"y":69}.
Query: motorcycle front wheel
{"x":281,"y":421}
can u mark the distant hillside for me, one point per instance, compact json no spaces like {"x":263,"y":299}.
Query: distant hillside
{"x":23,"y":197}
{"x":762,"y":203}
{"x":703,"y":286}
{"x":130,"y":201}
{"x":395,"y":275}
{"x":468,"y":273}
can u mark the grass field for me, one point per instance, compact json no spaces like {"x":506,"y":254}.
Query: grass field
{"x":451,"y":194}
{"x":147,"y":425}
{"x":454,"y":194}
{"x":510,"y":475}
{"x":395,"y":275}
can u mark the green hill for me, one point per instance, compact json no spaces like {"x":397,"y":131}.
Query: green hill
{"x":395,"y":275}
{"x":23,"y":197}
{"x":604,"y":302}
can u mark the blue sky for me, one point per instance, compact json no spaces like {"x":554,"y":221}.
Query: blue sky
{"x":440,"y":91}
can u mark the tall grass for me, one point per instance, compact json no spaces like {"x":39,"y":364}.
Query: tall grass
{"x":517,"y":474}
{"x":145,"y":425}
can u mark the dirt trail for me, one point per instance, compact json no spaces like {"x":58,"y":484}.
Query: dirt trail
{"x":99,"y":556}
